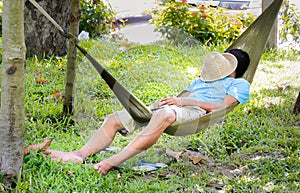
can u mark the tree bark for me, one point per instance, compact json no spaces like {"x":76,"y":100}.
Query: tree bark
{"x":12,"y":111}
{"x":41,"y":37}
{"x":71,"y":59}
{"x":297,"y":105}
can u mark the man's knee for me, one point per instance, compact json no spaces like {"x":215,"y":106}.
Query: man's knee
{"x":167,"y":115}
{"x":113,"y":120}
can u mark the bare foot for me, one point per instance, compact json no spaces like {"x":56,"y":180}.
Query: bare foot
{"x":64,"y":157}
{"x":103,"y":167}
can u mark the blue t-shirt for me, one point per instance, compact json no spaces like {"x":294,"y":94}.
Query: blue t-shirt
{"x":216,"y":91}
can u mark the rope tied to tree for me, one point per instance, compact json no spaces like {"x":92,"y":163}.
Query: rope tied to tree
{"x":133,"y":105}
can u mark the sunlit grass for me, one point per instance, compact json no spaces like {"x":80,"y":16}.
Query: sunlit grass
{"x":256,"y":148}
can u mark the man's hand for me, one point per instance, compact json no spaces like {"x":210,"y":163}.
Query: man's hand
{"x":170,"y":101}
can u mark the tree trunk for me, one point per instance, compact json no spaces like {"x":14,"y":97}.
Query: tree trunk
{"x":71,"y":63}
{"x":297,"y":105}
{"x":12,"y":88}
{"x":41,"y":37}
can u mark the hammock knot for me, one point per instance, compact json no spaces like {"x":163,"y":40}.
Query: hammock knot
{"x":68,"y":35}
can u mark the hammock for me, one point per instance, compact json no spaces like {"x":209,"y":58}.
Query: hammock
{"x":253,"y":41}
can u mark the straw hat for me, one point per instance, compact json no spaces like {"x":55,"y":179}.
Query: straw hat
{"x":218,"y":66}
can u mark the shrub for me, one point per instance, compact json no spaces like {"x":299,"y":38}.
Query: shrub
{"x":207,"y":24}
{"x":96,"y":17}
{"x":289,"y":22}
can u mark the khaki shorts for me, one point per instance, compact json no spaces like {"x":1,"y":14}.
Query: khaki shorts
{"x":184,"y":114}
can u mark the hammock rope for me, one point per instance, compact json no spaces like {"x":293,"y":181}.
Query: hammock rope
{"x":133,"y":105}
{"x":253,"y":40}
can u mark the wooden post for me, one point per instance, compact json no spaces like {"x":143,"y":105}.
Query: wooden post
{"x":273,"y":37}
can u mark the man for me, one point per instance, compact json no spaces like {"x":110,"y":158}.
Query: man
{"x":219,"y":86}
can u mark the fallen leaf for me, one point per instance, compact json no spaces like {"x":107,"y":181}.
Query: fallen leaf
{"x":197,"y":160}
{"x":240,"y":170}
{"x":195,"y":156}
{"x":41,"y":80}
{"x":270,"y":105}
{"x":38,"y":147}
{"x":119,"y":176}
{"x":174,"y":154}
{"x":70,"y":173}
{"x":283,"y":87}
{"x":125,"y":46}
{"x":269,"y":187}
{"x":28,"y":114}
{"x":37,"y":72}
{"x":56,"y":96}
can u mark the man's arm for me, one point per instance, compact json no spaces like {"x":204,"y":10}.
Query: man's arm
{"x":208,"y":106}
{"x":184,"y":94}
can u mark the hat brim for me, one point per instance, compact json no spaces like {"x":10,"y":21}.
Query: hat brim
{"x":231,"y":68}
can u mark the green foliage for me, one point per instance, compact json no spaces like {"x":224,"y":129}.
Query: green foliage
{"x":277,"y":55}
{"x":208,"y":25}
{"x":290,"y":23}
{"x":96,"y":17}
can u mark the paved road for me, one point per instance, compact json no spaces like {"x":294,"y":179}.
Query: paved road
{"x":135,"y":12}
{"x":129,"y":8}
{"x":138,"y":29}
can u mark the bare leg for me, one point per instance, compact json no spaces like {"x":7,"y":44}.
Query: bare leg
{"x":99,"y":141}
{"x":146,"y":138}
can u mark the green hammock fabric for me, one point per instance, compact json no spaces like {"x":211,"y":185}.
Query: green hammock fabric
{"x":133,"y":105}
{"x":253,"y":41}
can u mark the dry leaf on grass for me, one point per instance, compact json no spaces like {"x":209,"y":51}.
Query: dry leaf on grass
{"x":240,"y":170}
{"x":56,"y":96}
{"x":38,"y":147}
{"x":174,"y":154}
{"x":41,"y":81}
{"x":283,"y":87}
{"x":37,"y":73}
{"x":70,"y":173}
{"x":195,"y":157}
{"x":125,"y":46}
{"x":197,"y":160}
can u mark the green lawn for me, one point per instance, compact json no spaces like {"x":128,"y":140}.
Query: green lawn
{"x":255,"y":149}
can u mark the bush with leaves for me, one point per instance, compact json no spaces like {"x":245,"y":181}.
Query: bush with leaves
{"x":209,"y":25}
{"x":97,"y":18}
{"x":289,"y":21}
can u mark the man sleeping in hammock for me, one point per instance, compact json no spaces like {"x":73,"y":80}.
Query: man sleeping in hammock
{"x":219,"y":86}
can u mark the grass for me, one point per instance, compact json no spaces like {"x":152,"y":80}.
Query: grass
{"x":256,"y":149}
